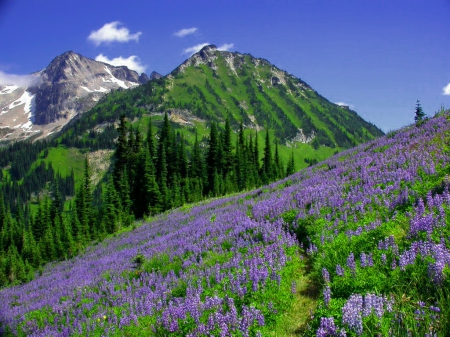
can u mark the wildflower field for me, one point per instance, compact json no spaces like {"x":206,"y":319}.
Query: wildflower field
{"x":368,"y":227}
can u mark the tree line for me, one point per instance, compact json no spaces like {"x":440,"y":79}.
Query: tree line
{"x":151,"y":173}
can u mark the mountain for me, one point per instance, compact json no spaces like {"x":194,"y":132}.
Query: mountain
{"x":69,"y":85}
{"x":210,"y":86}
{"x":214,"y":85}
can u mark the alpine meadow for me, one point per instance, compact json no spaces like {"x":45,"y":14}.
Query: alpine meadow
{"x":227,"y":198}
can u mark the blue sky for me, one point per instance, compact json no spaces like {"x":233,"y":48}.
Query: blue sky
{"x":378,"y":56}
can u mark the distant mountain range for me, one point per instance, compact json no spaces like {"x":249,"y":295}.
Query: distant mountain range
{"x":69,"y":85}
{"x":210,"y":85}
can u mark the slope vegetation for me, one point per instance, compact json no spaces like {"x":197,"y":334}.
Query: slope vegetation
{"x":369,"y":228}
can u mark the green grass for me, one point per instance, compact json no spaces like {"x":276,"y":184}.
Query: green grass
{"x":64,"y":160}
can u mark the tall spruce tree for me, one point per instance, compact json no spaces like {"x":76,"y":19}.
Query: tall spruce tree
{"x":213,"y":159}
{"x":121,"y":154}
{"x":83,"y":204}
{"x":2,"y":209}
{"x":290,"y":168}
{"x":419,"y":113}
{"x":227,"y":149}
{"x":267,"y":166}
{"x":151,"y":140}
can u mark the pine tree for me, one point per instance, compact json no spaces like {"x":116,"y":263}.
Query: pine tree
{"x":122,"y":151}
{"x":162,"y":180}
{"x":278,"y":164}
{"x":150,"y":197}
{"x":267,"y":167}
{"x":239,"y":167}
{"x":213,"y":159}
{"x":290,"y":168}
{"x":83,"y":204}
{"x":57,"y":203}
{"x":182,"y":159}
{"x":241,"y":137}
{"x":419,"y":113}
{"x":256,"y":152}
{"x":197,"y":167}
{"x":67,"y":239}
{"x":151,"y":140}
{"x":2,"y":209}
{"x":112,"y":210}
{"x":227,"y":149}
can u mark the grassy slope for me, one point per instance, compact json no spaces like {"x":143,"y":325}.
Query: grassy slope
{"x":406,"y":288}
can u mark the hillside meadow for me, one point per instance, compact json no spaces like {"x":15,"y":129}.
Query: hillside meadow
{"x":357,"y":245}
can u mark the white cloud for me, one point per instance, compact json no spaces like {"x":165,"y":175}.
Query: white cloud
{"x":111,"y":32}
{"x":13,"y":79}
{"x":446,"y":90}
{"x":226,"y":46}
{"x":185,"y":31}
{"x":194,"y":49}
{"x":351,"y":106}
{"x":133,"y":62}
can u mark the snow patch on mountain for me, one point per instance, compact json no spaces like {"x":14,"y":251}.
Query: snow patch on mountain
{"x":120,"y":83}
{"x":30,"y":107}
{"x":8,"y":89}
{"x":26,"y":99}
{"x":85,"y":88}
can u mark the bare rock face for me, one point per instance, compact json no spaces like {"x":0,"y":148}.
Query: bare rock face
{"x":71,"y":77}
{"x":155,"y":76}
{"x":69,"y":85}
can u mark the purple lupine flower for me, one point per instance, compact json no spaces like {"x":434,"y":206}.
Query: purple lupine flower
{"x":369,"y":260}
{"x":325,"y":275}
{"x":435,"y":309}
{"x":351,"y":263}
{"x":327,"y":295}
{"x":326,"y":328}
{"x":351,"y":313}
{"x":363,"y":260}
{"x":394,"y":264}
{"x":339,"y":270}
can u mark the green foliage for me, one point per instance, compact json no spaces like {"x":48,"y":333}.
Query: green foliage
{"x":419,"y":114}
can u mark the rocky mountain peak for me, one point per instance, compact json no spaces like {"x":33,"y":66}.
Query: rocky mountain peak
{"x":69,"y":85}
{"x":155,"y":76}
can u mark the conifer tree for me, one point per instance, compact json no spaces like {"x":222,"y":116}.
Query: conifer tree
{"x":162,"y":180}
{"x":57,"y":203}
{"x":290,"y":168}
{"x":267,"y":167}
{"x":256,"y":152}
{"x":182,"y":159}
{"x":112,"y":208}
{"x":83,"y":204}
{"x":151,"y":140}
{"x":197,"y":164}
{"x":67,"y":239}
{"x":227,"y":149}
{"x":122,"y":152}
{"x":2,"y":210}
{"x":419,"y":113}
{"x":151,"y":193}
{"x":241,"y":138}
{"x":278,"y":164}
{"x":239,"y":167}
{"x":213,"y":159}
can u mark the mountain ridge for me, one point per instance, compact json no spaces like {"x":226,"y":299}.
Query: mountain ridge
{"x":70,"y":84}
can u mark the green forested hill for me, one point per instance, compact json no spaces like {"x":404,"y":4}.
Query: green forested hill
{"x":213,"y":85}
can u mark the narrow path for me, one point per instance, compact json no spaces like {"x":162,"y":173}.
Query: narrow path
{"x":294,"y":322}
